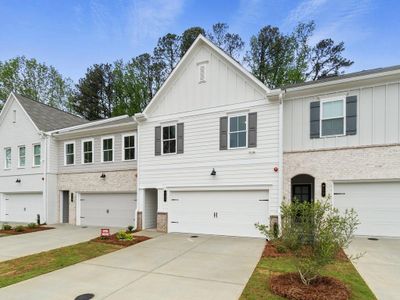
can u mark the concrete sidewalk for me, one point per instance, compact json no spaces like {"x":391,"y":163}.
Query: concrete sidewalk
{"x":171,"y":266}
{"x":14,"y":246}
{"x":380,"y":266}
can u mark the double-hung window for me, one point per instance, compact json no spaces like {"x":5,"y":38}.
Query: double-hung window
{"x":69,"y":153}
{"x":36,"y":155}
{"x":87,"y":151}
{"x":107,"y":149}
{"x":7,"y":158}
{"x":332,"y":117}
{"x":169,"y":139}
{"x":238,"y":131}
{"x":21,"y":156}
{"x":129,"y":147}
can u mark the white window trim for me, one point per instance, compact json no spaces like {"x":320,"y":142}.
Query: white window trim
{"x":5,"y":158}
{"x":176,"y":139}
{"x":332,"y":99}
{"x":19,"y":157}
{"x":65,"y":153}
{"x":83,"y":149}
{"x":33,"y":155}
{"x":229,"y":130}
{"x":113,"y":148}
{"x":123,"y":145}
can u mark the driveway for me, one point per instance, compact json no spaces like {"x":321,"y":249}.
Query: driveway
{"x":170,"y":266}
{"x":14,"y":246}
{"x":380,"y":266}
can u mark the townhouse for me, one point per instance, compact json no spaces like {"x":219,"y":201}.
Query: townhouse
{"x":214,"y":152}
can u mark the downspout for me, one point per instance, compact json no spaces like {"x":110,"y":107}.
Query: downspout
{"x":45,"y":179}
{"x":280,"y":157}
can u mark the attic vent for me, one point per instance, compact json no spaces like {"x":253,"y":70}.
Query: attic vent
{"x":14,"y":116}
{"x":202,"y":73}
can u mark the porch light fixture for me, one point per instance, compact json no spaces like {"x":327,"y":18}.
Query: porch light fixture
{"x":18,"y":180}
{"x":213,"y":172}
{"x":103,"y":176}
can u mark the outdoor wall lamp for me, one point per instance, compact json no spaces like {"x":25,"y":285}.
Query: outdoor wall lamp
{"x":103,"y":176}
{"x":213,"y":172}
{"x":18,"y":180}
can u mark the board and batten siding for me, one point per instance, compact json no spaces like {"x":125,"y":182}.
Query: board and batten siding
{"x":97,"y":165}
{"x":378,"y":122}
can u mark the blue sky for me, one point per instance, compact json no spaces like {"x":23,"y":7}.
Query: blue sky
{"x":74,"y":34}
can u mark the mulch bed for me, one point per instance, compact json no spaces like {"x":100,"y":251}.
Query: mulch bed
{"x":112,"y":239}
{"x":290,"y":286}
{"x":26,"y":230}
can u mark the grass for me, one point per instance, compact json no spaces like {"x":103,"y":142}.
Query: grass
{"x":257,"y":286}
{"x":23,"y":268}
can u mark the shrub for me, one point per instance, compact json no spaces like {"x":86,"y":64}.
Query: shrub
{"x":315,"y":233}
{"x":19,"y":228}
{"x":124,"y":236}
{"x":6,"y":227}
{"x":130,"y":228}
{"x":32,"y":225}
{"x":281,"y":248}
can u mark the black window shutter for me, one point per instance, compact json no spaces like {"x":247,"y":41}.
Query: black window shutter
{"x":314,"y":119}
{"x":351,"y":115}
{"x":157,"y":140}
{"x":179,"y":148}
{"x":252,"y":139}
{"x":223,"y":133}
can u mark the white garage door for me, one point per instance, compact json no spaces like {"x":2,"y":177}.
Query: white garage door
{"x":112,"y":210}
{"x":377,"y":205}
{"x":218,"y":212}
{"x":24,"y":208}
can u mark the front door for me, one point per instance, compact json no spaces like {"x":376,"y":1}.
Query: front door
{"x":301,"y":192}
{"x":65,"y":199}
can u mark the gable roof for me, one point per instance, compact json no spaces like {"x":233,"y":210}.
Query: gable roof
{"x":47,"y":118}
{"x":201,"y":39}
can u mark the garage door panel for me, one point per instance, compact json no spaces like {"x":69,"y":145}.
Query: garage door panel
{"x":24,"y":207}
{"x":112,"y":210}
{"x":236,"y":212}
{"x":376,"y":203}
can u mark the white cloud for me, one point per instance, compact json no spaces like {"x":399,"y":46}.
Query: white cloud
{"x":152,"y":18}
{"x":305,"y":10}
{"x":249,"y":12}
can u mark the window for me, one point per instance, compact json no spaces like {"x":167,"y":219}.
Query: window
{"x":36,"y":155}
{"x":169,"y":139}
{"x":87,"y":151}
{"x":21,"y":157}
{"x":238,"y":132}
{"x":129,"y":147}
{"x":7,"y":158}
{"x":107,"y":149}
{"x":332,"y":117}
{"x":69,"y":153}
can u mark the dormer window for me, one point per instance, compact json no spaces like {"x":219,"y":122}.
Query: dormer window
{"x":202,"y":73}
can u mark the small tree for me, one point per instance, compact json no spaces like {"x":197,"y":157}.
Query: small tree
{"x":315,"y":232}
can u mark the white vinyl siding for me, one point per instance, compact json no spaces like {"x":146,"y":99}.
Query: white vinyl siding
{"x":332,"y":117}
{"x":69,"y":151}
{"x":21,"y":156}
{"x":7,"y":158}
{"x":87,"y":151}
{"x":107,"y":149}
{"x":237,"y":137}
{"x":37,"y":156}
{"x":129,"y":147}
{"x":168,"y":139}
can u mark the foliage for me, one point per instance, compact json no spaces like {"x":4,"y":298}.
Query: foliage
{"x":167,"y":52}
{"x":122,"y":235}
{"x":34,"y":80}
{"x":130,"y":228}
{"x":32,"y":225}
{"x":315,"y":232}
{"x":188,"y":37}
{"x":6,"y":227}
{"x":231,"y":43}
{"x":19,"y":228}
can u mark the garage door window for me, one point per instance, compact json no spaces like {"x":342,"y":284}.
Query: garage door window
{"x":87,"y":151}
{"x":69,"y":153}
{"x":107,"y":149}
{"x":7,"y":158}
{"x":238,"y":132}
{"x":21,"y":156}
{"x":36,"y":155}
{"x":129,"y":147}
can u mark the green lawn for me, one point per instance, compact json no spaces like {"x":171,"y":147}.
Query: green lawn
{"x":16,"y":270}
{"x":257,"y":287}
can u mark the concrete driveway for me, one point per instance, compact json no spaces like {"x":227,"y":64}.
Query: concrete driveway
{"x":380,"y":266}
{"x":63,"y":235}
{"x":171,"y":266}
